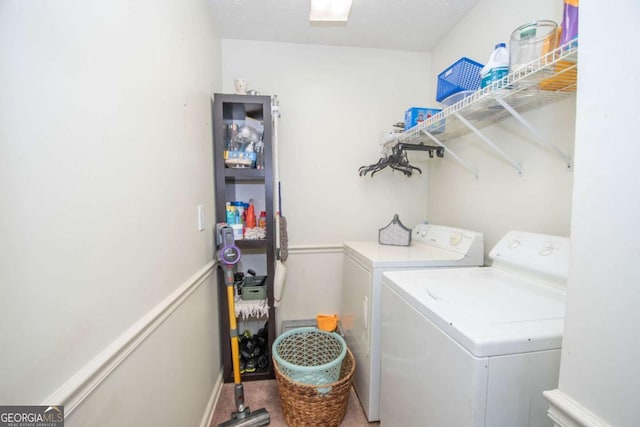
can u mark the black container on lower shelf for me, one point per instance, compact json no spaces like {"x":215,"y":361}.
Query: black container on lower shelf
{"x":255,"y":357}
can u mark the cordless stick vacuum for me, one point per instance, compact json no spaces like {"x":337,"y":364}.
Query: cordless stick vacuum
{"x":228,"y":256}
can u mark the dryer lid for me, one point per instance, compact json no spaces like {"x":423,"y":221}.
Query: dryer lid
{"x":431,"y":246}
{"x":415,"y":255}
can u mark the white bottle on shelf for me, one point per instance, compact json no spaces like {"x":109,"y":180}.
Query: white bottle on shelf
{"x":497,"y":67}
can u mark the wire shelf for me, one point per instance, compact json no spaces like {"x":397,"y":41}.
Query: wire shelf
{"x":546,"y":80}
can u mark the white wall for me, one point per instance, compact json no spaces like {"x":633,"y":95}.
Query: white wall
{"x":599,"y":374}
{"x":500,"y":199}
{"x":105,"y":152}
{"x":172,"y":379}
{"x":335,"y":103}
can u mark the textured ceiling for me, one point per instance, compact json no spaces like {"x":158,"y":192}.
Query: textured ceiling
{"x":415,"y":25}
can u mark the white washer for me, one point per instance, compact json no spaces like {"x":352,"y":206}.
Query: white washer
{"x":364,"y":263}
{"x":475,"y":347}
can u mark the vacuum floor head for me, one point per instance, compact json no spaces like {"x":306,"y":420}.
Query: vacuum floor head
{"x":253,"y":419}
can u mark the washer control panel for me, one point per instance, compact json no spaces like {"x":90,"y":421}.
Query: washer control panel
{"x":538,"y":255}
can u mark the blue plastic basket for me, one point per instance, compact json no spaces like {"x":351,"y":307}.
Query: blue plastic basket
{"x":464,"y":74}
{"x":310,"y":355}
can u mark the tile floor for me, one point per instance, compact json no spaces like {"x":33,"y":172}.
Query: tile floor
{"x":264,"y":394}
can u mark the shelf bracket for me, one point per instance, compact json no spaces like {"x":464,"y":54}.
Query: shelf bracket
{"x":542,"y":138}
{"x":451,"y":153}
{"x":490,"y":143}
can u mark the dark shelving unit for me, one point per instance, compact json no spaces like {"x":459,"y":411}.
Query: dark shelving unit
{"x":228,"y":181}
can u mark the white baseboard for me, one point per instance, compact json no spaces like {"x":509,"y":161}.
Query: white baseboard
{"x":213,"y":402}
{"x":73,"y":392}
{"x":566,"y":412}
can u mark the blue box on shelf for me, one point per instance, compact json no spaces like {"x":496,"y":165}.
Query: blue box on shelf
{"x":464,"y":74}
{"x":240,"y":159}
{"x":415,"y":115}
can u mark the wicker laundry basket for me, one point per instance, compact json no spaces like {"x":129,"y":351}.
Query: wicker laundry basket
{"x":310,"y":355}
{"x":307,"y":405}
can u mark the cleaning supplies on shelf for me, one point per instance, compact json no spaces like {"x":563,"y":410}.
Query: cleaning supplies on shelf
{"x":415,"y":115}
{"x":241,"y":217}
{"x":262,"y":221}
{"x":497,"y":67}
{"x":569,"y":25}
{"x":250,"y":221}
{"x":531,"y":41}
{"x":230,"y":213}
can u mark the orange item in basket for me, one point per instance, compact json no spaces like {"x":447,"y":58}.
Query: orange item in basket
{"x":327,"y":322}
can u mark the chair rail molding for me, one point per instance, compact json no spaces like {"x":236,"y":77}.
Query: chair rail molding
{"x":75,"y":390}
{"x":566,"y":412}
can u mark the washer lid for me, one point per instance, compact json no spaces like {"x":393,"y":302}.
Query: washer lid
{"x":488,"y":311}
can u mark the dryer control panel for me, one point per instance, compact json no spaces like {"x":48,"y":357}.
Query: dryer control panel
{"x":465,"y":242}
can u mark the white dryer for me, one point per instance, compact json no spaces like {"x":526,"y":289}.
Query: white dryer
{"x":364,"y":262}
{"x":475,"y":347}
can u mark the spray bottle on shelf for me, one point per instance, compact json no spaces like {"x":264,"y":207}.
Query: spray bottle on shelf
{"x":497,"y":67}
{"x":251,"y":215}
{"x":262,"y":221}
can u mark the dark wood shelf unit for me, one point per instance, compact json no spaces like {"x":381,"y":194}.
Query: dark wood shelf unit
{"x":226,"y":107}
{"x":246,"y":174}
{"x":252,"y":244}
{"x":258,"y":375}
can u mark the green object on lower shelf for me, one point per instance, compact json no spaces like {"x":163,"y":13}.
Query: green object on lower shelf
{"x":251,"y":291}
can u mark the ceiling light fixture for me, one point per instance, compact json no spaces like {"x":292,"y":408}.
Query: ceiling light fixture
{"x":330,"y":10}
